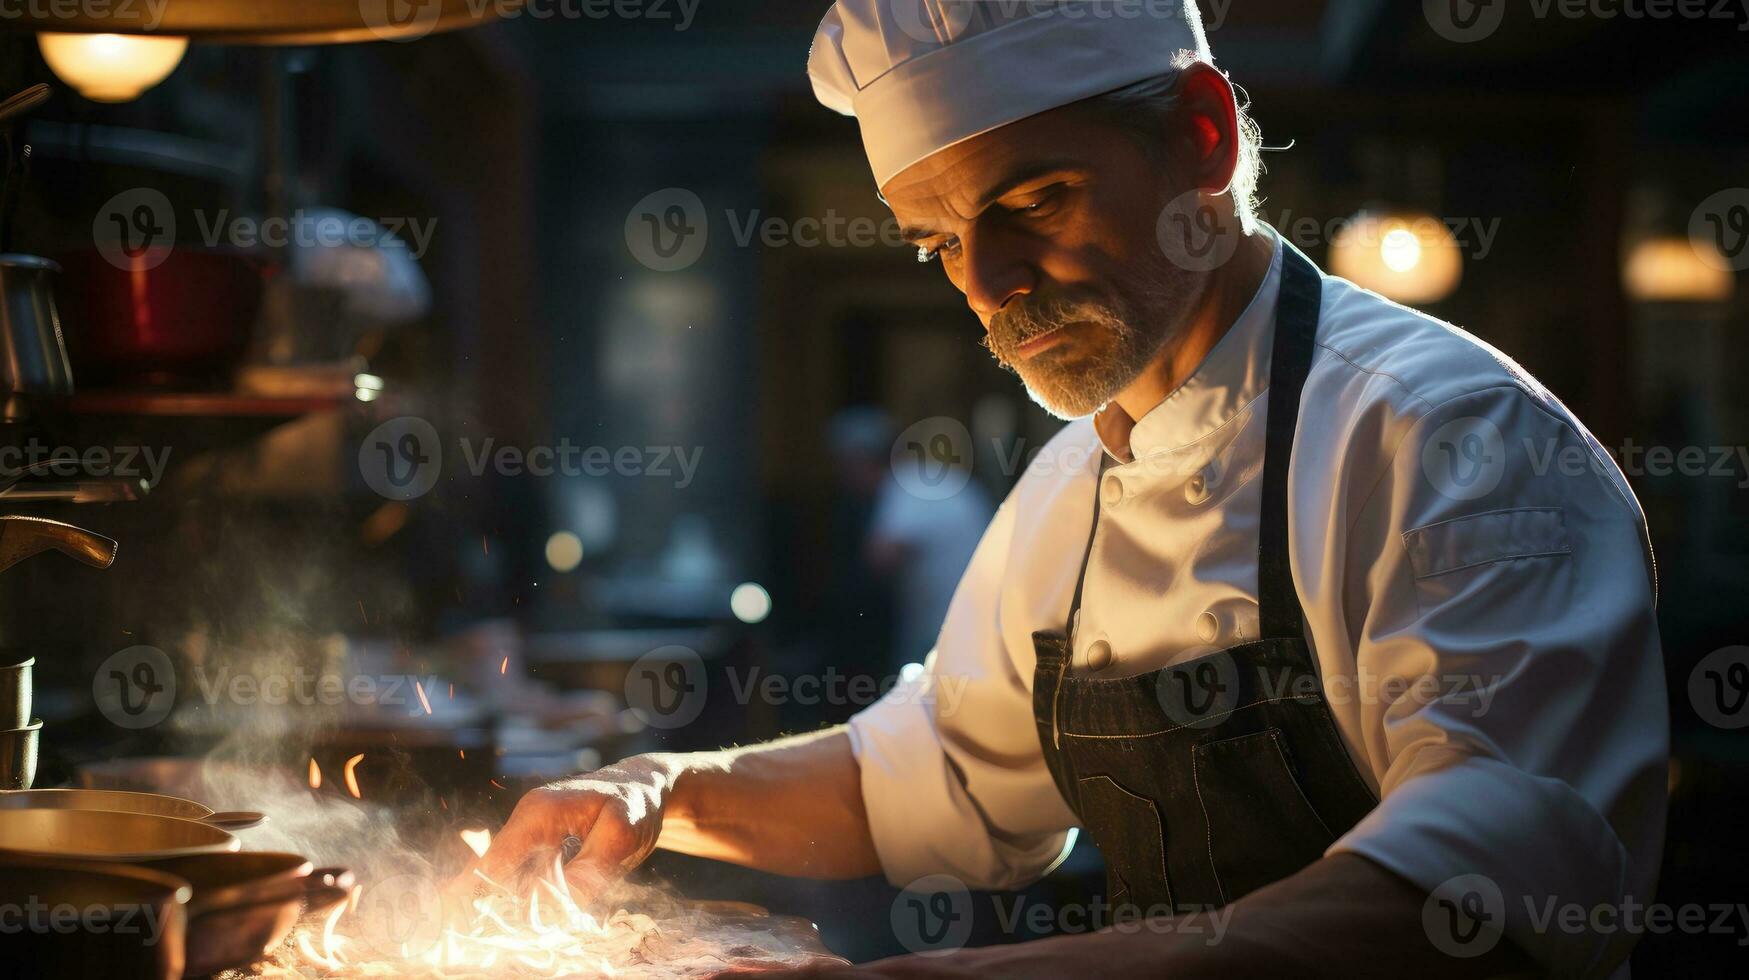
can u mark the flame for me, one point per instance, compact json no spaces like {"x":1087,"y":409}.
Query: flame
{"x":477,"y":840}
{"x":351,"y":777}
{"x":315,"y":774}
{"x":545,"y":933}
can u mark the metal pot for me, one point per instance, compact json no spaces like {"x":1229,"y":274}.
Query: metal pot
{"x":33,"y":354}
{"x":126,"y":802}
{"x":106,"y":835}
{"x":246,"y":904}
{"x":18,"y":747}
{"x":142,"y":912}
{"x":16,"y":691}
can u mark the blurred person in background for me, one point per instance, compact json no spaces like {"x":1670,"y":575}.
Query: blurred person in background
{"x":926,"y":523}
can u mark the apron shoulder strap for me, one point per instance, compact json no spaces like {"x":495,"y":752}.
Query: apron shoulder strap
{"x":1290,"y":361}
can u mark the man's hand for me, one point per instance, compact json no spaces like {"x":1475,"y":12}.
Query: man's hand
{"x":793,"y":807}
{"x":610,"y":819}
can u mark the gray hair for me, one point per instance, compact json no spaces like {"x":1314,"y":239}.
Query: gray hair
{"x":1142,"y":107}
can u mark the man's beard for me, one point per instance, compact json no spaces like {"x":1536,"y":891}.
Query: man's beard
{"x":1108,"y":340}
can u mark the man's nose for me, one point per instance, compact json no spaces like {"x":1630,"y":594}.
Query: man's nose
{"x":995,"y":274}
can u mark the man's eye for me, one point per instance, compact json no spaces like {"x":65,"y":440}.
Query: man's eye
{"x":927,"y":254}
{"x":1039,"y":207}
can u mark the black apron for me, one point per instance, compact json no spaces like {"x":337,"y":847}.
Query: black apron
{"x":1205,"y":780}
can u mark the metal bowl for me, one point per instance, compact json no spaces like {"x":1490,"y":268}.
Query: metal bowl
{"x":108,"y":835}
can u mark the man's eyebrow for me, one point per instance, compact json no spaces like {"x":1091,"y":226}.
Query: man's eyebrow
{"x":1029,"y":172}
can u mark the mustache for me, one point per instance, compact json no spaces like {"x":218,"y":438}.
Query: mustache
{"x":1029,"y":318}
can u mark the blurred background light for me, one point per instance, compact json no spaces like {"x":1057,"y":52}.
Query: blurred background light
{"x":564,"y":551}
{"x":750,"y":602}
{"x":1410,"y":257}
{"x":1671,"y":269}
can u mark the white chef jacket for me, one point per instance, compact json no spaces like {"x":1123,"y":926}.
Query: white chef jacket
{"x":1478,"y":592}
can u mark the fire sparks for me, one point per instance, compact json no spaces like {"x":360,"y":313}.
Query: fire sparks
{"x":352,"y":776}
{"x":419,"y":689}
{"x":503,"y":665}
{"x":315,"y":775}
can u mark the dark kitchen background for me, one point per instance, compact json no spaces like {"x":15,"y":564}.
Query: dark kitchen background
{"x":568,"y":243}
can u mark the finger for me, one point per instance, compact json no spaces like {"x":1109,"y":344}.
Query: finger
{"x":612,"y":847}
{"x":530,"y":841}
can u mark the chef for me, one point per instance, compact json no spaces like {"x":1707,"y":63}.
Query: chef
{"x":1327,"y":623}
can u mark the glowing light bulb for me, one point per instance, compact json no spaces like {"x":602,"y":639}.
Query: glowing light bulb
{"x":111,"y":67}
{"x":1401,"y":250}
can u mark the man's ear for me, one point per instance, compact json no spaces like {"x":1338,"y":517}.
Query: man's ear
{"x":1205,"y":126}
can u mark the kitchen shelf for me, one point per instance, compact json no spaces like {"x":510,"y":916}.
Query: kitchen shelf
{"x":212,"y":405}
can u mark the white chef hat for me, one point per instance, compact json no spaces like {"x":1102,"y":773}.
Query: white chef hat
{"x":922,"y":75}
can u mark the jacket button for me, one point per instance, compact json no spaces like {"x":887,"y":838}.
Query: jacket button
{"x":1208,"y":627}
{"x":1202,"y":484}
{"x":1098,"y":655}
{"x":1113,"y":491}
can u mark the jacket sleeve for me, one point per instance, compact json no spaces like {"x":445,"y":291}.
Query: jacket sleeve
{"x":1501,"y":596}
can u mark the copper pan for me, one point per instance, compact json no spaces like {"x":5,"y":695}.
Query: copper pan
{"x":130,"y":920}
{"x":107,"y":835}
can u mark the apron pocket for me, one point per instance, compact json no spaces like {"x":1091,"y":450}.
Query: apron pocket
{"x":1261,"y":827}
{"x":1132,"y":838}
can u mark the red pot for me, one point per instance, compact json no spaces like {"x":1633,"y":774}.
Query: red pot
{"x":183,"y":321}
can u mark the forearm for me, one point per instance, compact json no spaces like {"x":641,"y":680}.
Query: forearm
{"x":793,"y":806}
{"x":1342,"y":916}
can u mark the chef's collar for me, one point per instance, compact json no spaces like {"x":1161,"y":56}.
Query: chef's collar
{"x":1233,"y":374}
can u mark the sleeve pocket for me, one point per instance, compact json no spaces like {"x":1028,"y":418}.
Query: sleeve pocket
{"x":1481,"y":539}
